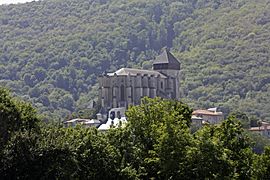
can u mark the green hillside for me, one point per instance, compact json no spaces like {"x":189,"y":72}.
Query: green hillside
{"x":226,"y":54}
{"x":52,"y":51}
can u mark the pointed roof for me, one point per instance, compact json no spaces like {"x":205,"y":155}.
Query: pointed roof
{"x":166,"y":58}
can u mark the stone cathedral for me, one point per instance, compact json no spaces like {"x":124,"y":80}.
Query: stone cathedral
{"x":127,"y":86}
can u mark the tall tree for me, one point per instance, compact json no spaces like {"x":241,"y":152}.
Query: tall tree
{"x":159,"y":130}
{"x":15,"y":115}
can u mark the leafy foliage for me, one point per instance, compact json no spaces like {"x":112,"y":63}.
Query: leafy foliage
{"x":261,"y":165}
{"x":157,"y":143}
{"x":15,"y":116}
{"x":60,"y":153}
{"x":160,"y":138}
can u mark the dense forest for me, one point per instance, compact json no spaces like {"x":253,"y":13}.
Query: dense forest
{"x":52,"y":51}
{"x":157,"y":143}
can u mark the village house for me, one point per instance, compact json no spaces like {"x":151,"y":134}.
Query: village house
{"x":211,"y":116}
{"x":263,"y":129}
{"x":196,"y":121}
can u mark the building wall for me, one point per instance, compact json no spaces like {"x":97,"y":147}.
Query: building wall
{"x":265,"y":133}
{"x":123,"y":91}
{"x":212,"y":119}
{"x":172,"y":83}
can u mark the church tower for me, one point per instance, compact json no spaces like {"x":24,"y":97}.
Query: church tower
{"x":168,"y":65}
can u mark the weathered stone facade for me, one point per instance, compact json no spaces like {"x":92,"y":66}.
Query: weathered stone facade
{"x":127,"y":86}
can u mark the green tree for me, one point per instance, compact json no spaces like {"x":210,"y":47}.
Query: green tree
{"x":156,"y":143}
{"x":15,"y":116}
{"x":207,"y":158}
{"x":261,"y":165}
{"x":259,"y":142}
{"x":237,"y":147}
{"x":159,"y":130}
{"x":60,"y":153}
{"x":243,"y":118}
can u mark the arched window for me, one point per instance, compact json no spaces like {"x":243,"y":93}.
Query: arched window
{"x":112,"y":115}
{"x":122,"y":91}
{"x":118,"y":115}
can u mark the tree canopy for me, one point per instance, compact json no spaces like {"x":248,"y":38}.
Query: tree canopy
{"x":157,"y":143}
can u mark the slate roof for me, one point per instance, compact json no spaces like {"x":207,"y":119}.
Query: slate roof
{"x":166,"y":58}
{"x":134,"y":72}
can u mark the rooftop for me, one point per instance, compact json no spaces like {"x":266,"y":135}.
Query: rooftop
{"x":264,"y":126}
{"x":83,"y":121}
{"x":166,"y":58}
{"x":135,"y":72}
{"x":206,"y":112}
{"x":261,"y":128}
{"x":77,"y":120}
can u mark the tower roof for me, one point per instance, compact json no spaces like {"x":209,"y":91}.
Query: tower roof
{"x":166,"y":61}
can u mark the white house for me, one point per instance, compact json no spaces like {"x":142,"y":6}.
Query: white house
{"x":211,"y":115}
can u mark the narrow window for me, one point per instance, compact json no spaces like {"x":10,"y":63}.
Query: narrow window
{"x":131,"y":93}
{"x":122,"y":97}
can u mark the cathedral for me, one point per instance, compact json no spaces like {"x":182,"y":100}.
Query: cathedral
{"x":127,"y":86}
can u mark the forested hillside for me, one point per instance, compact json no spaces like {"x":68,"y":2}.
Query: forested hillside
{"x":52,"y":51}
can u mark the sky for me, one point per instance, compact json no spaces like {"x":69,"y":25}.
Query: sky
{"x":13,"y":1}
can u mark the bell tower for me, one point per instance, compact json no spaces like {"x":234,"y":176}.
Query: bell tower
{"x":168,"y":65}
